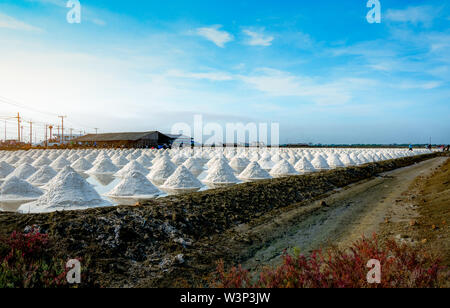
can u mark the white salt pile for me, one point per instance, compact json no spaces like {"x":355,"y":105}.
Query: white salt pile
{"x":60,"y":163}
{"x":5,"y":169}
{"x":254,"y":172}
{"x":120,"y":161}
{"x":70,"y":192}
{"x":42,"y":161}
{"x":220,"y":173}
{"x":23,"y":172}
{"x":194,"y":166}
{"x":239,"y":164}
{"x":304,"y":166}
{"x":130,"y":167}
{"x":161,"y":171}
{"x":347,"y":161}
{"x":266,"y":162}
{"x":320,"y":163}
{"x":15,"y":189}
{"x":42,"y":176}
{"x":182,"y":179}
{"x":134,"y":185}
{"x":59,"y":176}
{"x":24,"y":160}
{"x":334,"y":161}
{"x":145,"y":161}
{"x":103,"y":166}
{"x":283,"y":168}
{"x":81,"y":165}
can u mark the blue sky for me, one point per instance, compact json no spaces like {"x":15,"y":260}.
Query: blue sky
{"x":316,"y":67}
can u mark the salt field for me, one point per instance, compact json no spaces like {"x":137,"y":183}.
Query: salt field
{"x":60,"y":180}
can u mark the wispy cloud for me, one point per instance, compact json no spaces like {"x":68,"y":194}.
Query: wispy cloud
{"x":9,"y":22}
{"x":414,"y":14}
{"x":213,"y":76}
{"x":215,"y":35}
{"x":258,"y":38}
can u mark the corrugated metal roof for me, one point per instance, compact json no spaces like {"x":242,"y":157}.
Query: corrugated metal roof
{"x":118,"y":137}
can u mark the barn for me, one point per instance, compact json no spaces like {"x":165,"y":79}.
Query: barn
{"x":125,"y":140}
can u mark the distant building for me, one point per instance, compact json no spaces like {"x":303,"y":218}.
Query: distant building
{"x":181,"y":140}
{"x":126,"y":140}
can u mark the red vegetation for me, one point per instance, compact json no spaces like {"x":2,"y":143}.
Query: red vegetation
{"x":25,"y":262}
{"x":401,"y":267}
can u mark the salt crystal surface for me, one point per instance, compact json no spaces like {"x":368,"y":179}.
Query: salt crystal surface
{"x":254,"y":172}
{"x":283,"y":168}
{"x":182,"y":178}
{"x":14,"y":189}
{"x":42,"y":176}
{"x":135,"y":185}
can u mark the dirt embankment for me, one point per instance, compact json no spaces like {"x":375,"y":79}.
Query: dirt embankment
{"x":172,"y":238}
{"x":421,"y":216}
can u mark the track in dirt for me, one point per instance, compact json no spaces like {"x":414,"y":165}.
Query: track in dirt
{"x":357,"y":210}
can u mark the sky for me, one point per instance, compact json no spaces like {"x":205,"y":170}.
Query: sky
{"x":318,"y":68}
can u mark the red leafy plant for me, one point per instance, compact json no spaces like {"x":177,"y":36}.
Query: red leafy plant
{"x":25,"y":262}
{"x":402,"y":266}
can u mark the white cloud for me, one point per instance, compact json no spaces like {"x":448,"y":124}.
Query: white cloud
{"x":215,"y":35}
{"x":9,"y":22}
{"x":213,"y":76}
{"x":258,"y":39}
{"x":414,"y":14}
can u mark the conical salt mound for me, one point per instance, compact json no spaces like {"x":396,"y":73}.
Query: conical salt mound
{"x":145,"y":161}
{"x":41,"y":161}
{"x":239,"y":163}
{"x":59,"y":176}
{"x":135,"y":185}
{"x":16,"y":189}
{"x":283,"y":168}
{"x":70,"y":192}
{"x":81,"y":165}
{"x":320,"y":163}
{"x":182,"y":178}
{"x":334,"y":162}
{"x":60,"y":163}
{"x":266,"y":162}
{"x":193,"y":165}
{"x":23,"y":172}
{"x":42,"y":176}
{"x":103,"y":166}
{"x":24,"y":160}
{"x":130,"y":167}
{"x":304,"y":166}
{"x":254,"y":172}
{"x":161,"y":171}
{"x":5,"y":169}
{"x":120,"y":161}
{"x":220,"y":173}
{"x":347,"y":161}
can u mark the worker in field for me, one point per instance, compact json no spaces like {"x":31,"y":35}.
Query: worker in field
{"x":410,"y":148}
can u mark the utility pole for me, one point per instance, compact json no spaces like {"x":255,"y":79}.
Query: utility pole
{"x":51,"y":128}
{"x":46,"y":140}
{"x":96,"y":130}
{"x":21,"y":131}
{"x":31,"y":133}
{"x":5,"y":130}
{"x":18,"y":127}
{"x":62,"y":128}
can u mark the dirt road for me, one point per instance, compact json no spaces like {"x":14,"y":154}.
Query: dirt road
{"x":357,"y":210}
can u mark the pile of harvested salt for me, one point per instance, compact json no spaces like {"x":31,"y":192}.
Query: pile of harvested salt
{"x":120,"y":161}
{"x":69,"y":192}
{"x":5,"y":169}
{"x":334,"y":161}
{"x":304,"y":166}
{"x":81,"y":165}
{"x":194,"y":165}
{"x":15,"y":189}
{"x":220,"y":173}
{"x":320,"y":163}
{"x":254,"y":172}
{"x":23,"y":172}
{"x":42,"y":176}
{"x":239,"y":164}
{"x":42,"y":161}
{"x":182,"y":179}
{"x":103,"y":166}
{"x":130,"y":167}
{"x":135,"y":185}
{"x":283,"y":168}
{"x":162,"y":171}
{"x":60,"y":163}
